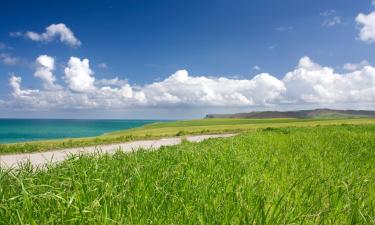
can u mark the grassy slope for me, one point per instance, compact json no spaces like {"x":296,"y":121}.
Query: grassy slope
{"x":230,"y":125}
{"x":337,"y":116}
{"x":177,"y":128}
{"x":301,"y":114}
{"x":320,"y":175}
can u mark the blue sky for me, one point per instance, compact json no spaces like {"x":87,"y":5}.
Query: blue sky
{"x":144,"y":42}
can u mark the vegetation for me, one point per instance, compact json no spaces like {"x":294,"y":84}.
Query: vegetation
{"x":310,"y":175}
{"x":301,"y":114}
{"x":177,"y":128}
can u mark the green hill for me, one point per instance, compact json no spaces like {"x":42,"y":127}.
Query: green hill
{"x":300,"y":114}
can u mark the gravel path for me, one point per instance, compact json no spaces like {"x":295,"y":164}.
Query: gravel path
{"x":43,"y":158}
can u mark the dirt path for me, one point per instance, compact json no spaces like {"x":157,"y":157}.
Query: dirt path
{"x":42,"y":158}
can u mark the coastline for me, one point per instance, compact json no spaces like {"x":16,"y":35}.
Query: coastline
{"x":173,"y":129}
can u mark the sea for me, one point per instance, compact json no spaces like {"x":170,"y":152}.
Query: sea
{"x":20,"y":130}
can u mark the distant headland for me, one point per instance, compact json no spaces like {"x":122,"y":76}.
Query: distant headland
{"x":301,"y":114}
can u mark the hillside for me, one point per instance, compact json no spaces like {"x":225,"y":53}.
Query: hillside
{"x":315,"y":175}
{"x":300,"y":114}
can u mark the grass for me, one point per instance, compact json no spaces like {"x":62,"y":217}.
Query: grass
{"x":229,"y":125}
{"x":309,"y":175}
{"x":177,"y":128}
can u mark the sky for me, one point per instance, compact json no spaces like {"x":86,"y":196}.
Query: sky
{"x":173,"y":59}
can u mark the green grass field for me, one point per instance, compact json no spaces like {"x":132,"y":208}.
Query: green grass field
{"x":308,"y":175}
{"x":177,"y":128}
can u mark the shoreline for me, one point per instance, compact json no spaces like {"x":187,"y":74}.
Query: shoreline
{"x":15,"y":131}
{"x":175,"y":129}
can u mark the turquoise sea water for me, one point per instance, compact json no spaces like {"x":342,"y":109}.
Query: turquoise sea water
{"x":18,"y":130}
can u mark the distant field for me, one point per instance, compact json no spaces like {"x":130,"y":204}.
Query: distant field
{"x":308,"y":175}
{"x":230,"y":125}
{"x":177,"y":128}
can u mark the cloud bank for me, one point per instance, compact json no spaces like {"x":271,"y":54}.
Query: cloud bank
{"x":308,"y":83}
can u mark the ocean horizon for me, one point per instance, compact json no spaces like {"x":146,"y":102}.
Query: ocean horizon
{"x":22,"y":130}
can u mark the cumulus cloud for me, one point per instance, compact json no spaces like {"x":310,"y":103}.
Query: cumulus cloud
{"x":44,"y":67}
{"x":367,"y":27}
{"x":18,"y":92}
{"x":34,"y":99}
{"x":313,"y":83}
{"x":78,"y":75}
{"x":308,"y":83}
{"x":182,"y":89}
{"x":60,"y":31}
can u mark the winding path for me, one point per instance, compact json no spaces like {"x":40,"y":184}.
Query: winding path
{"x":43,"y":158}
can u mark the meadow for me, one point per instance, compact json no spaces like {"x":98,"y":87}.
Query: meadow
{"x":306,"y":175}
{"x":177,"y":128}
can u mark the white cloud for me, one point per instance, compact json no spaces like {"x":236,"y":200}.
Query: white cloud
{"x":331,"y":18}
{"x":44,"y":67}
{"x":182,"y":89}
{"x":9,"y":60}
{"x":256,"y":67}
{"x":367,"y":23}
{"x":328,"y":13}
{"x":355,"y":66}
{"x":78,"y":75}
{"x":336,"y":20}
{"x":60,"y":31}
{"x":308,"y":83}
{"x":15,"y":83}
{"x":284,"y":28}
{"x":272,"y":47}
{"x":313,"y":83}
{"x":16,"y":34}
{"x":33,"y":99}
{"x":102,"y":66}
